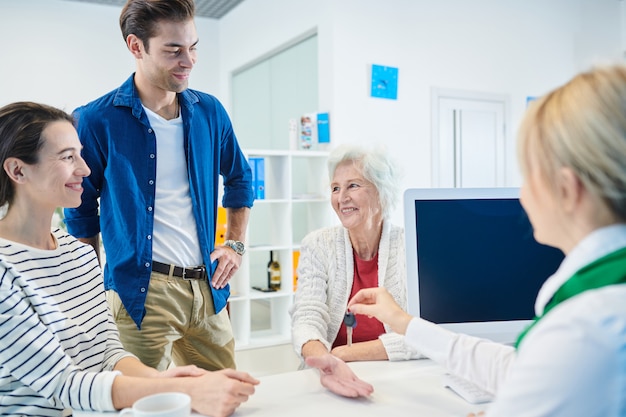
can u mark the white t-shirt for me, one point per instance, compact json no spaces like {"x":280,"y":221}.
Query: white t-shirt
{"x":175,"y":237}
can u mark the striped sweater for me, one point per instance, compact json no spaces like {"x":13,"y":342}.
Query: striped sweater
{"x":58,"y":341}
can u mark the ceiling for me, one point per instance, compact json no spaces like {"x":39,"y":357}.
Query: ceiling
{"x":213,"y":9}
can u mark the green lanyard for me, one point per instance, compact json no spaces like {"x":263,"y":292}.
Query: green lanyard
{"x":608,"y":270}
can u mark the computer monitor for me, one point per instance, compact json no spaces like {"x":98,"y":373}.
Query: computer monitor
{"x":473,"y":265}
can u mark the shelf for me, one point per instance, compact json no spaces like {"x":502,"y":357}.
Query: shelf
{"x":261,"y":319}
{"x":263,"y":339}
{"x":292,"y":153}
{"x":259,"y":295}
{"x":266,"y":248}
{"x":272,"y":201}
{"x":309,"y":199}
{"x":297,"y":202}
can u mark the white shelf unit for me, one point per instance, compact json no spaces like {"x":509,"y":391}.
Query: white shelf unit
{"x":296,"y":203}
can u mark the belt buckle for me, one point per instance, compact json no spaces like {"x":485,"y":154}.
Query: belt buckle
{"x":200,"y":269}
{"x":184,"y":275}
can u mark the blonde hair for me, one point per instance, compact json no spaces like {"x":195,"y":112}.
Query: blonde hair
{"x":376,"y":166}
{"x":582,"y":126}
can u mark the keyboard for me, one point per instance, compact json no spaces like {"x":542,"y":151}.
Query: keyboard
{"x":466,"y":389}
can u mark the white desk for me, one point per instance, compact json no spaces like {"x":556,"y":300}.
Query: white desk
{"x":411,"y":388}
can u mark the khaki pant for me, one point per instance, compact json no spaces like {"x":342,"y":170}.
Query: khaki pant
{"x":180,"y":326}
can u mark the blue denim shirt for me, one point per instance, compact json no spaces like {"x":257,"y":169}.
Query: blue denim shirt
{"x":120,"y":148}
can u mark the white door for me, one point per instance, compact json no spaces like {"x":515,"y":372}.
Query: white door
{"x":469,"y":147}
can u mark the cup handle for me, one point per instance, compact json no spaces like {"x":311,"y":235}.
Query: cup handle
{"x":126,"y":412}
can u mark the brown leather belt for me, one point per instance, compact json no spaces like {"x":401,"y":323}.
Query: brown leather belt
{"x":195,"y":272}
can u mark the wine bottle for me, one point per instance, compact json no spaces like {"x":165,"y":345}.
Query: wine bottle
{"x":273,"y":273}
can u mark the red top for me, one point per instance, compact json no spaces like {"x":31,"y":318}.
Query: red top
{"x":365,"y":276}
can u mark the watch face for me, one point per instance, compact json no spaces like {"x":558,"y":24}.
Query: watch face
{"x":237,"y":246}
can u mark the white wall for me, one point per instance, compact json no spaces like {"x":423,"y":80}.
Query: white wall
{"x":515,"y":47}
{"x":67,"y":53}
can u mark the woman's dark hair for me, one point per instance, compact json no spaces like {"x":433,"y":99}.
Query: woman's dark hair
{"x":21,"y":126}
{"x":140,"y":17}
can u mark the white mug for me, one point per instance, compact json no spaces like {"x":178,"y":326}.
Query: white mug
{"x":166,"y":404}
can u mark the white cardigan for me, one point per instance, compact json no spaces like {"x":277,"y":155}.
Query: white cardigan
{"x":325,"y":277}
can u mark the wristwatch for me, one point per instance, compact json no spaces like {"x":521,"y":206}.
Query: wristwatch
{"x":236,"y":245}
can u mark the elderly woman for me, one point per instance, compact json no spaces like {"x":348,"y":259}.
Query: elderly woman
{"x":572,"y":360}
{"x":365,"y":251}
{"x":59,"y":347}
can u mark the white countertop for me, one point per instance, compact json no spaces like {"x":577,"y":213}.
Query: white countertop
{"x":411,"y":388}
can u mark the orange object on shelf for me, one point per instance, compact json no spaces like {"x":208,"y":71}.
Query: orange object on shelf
{"x":296,"y":257}
{"x":220,"y":227}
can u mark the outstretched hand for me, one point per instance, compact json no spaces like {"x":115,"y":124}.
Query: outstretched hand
{"x":338,"y":378}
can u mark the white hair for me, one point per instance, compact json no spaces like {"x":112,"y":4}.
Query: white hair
{"x":376,"y":166}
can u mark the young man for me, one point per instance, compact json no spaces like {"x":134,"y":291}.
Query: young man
{"x":156,"y":150}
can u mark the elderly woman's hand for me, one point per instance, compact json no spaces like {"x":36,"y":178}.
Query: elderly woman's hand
{"x":337,"y":376}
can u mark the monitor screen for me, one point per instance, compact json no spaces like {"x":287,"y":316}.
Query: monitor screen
{"x":473,"y":263}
